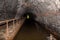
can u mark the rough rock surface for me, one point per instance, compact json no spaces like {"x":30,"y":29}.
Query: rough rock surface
{"x":20,"y":9}
{"x":7,"y":9}
{"x":47,"y":12}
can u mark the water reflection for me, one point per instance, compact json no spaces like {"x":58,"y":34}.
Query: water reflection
{"x":29,"y":31}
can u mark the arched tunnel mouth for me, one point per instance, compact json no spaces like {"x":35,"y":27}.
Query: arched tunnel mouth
{"x":29,"y":30}
{"x":30,"y":18}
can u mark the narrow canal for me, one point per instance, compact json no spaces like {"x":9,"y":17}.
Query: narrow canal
{"x":30,"y":30}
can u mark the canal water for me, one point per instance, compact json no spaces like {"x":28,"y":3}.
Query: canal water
{"x":30,"y":30}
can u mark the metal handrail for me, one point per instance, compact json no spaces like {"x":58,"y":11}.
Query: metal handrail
{"x":7,"y":21}
{"x":15,"y":22}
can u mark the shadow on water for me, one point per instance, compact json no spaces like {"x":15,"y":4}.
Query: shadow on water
{"x":29,"y":31}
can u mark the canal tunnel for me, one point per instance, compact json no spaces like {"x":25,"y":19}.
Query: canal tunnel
{"x":30,"y":17}
{"x":31,"y":30}
{"x":44,"y":15}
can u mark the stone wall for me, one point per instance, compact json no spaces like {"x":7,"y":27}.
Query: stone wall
{"x":47,"y":12}
{"x":21,"y":8}
{"x":8,"y":9}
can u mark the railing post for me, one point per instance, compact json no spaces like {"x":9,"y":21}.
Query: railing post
{"x":13,"y":23}
{"x":7,"y":33}
{"x":51,"y":38}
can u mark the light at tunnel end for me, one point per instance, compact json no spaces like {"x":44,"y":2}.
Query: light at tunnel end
{"x":27,"y":16}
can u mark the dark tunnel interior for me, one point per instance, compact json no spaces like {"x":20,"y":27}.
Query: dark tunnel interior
{"x":30,"y":29}
{"x":31,"y":18}
{"x":31,"y":15}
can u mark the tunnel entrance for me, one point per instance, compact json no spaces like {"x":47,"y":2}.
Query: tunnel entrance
{"x":30,"y":18}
